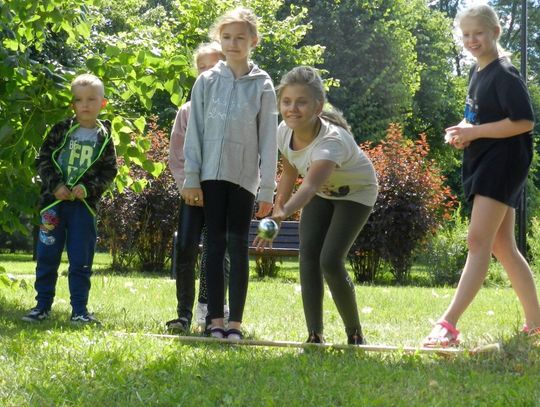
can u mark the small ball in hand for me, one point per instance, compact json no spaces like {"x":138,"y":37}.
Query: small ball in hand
{"x":268,"y":229}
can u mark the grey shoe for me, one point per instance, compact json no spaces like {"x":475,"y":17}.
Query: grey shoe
{"x":85,"y":318}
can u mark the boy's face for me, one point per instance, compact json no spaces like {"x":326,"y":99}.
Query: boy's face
{"x":206,"y":61}
{"x":87,"y":103}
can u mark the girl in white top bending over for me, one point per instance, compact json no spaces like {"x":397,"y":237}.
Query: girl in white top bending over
{"x":337,"y":195}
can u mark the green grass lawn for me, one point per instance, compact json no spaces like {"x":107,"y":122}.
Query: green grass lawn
{"x":55,"y":363}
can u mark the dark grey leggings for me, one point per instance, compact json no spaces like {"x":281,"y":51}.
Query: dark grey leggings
{"x":328,"y":229}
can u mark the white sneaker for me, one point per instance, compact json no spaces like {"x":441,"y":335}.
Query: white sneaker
{"x":200,"y":314}
{"x":226,"y":313}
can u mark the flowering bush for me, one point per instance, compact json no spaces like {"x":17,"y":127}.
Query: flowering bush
{"x":412,"y":203}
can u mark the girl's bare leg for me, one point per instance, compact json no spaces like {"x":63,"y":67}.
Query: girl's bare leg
{"x":517,"y":268}
{"x":486,"y":219}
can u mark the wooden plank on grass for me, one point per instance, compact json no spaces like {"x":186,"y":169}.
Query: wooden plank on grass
{"x":494,"y":347}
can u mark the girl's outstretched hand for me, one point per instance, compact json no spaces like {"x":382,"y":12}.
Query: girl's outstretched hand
{"x":260,"y":243}
{"x":264,"y":209}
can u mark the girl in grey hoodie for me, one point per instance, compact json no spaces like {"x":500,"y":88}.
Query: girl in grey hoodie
{"x":230,"y":159}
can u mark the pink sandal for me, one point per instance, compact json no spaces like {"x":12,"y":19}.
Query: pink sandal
{"x":531,"y":332}
{"x":443,"y":335}
{"x":534,"y":332}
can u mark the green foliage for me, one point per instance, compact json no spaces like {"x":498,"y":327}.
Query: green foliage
{"x":7,"y":282}
{"x":266,"y":266}
{"x":142,"y":50}
{"x":17,"y":241}
{"x":445,"y":252}
{"x":413,"y":201}
{"x":282,"y":33}
{"x":177,"y":28}
{"x":534,"y":244}
{"x":35,"y":75}
{"x":439,"y":101}
{"x":34,"y":93}
{"x":393,"y":62}
{"x":282,"y":46}
{"x":138,"y":224}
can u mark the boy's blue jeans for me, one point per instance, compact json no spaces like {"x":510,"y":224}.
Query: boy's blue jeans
{"x":68,"y":224}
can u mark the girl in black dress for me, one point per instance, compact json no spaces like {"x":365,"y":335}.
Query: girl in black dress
{"x":496,"y":140}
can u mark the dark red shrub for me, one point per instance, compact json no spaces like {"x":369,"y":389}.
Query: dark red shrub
{"x":412,"y":202}
{"x":140,"y":225}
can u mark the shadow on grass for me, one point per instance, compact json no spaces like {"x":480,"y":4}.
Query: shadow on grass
{"x":109,"y":272}
{"x":11,"y":323}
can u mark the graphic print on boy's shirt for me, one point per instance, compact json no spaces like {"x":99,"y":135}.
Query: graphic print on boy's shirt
{"x":78,"y":154}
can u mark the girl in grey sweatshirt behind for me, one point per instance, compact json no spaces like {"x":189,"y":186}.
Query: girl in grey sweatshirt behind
{"x":230,"y":158}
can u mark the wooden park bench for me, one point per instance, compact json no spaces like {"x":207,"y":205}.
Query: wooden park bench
{"x":286,"y":243}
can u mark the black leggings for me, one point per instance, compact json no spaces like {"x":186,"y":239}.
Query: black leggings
{"x":203,"y":290}
{"x":190,"y":227}
{"x":328,"y":229}
{"x":228,"y":209}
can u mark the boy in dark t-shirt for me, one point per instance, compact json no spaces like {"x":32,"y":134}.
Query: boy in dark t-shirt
{"x":76,"y":163}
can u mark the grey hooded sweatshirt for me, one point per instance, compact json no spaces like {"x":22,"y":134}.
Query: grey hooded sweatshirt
{"x":231,"y":132}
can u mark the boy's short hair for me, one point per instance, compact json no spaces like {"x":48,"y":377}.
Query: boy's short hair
{"x":87,"y":79}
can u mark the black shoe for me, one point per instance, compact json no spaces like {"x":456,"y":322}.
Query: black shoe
{"x":36,"y":315}
{"x":314,"y":338}
{"x":218,"y":333}
{"x":234,"y":334}
{"x":178,"y":325}
{"x":356,"y":338}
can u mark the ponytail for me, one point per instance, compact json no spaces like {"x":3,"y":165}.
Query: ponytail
{"x":335,"y":116}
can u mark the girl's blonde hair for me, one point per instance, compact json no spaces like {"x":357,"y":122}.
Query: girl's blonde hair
{"x":488,"y":17}
{"x":87,"y":79}
{"x":309,"y":77}
{"x":237,"y":15}
{"x":208,"y":48}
